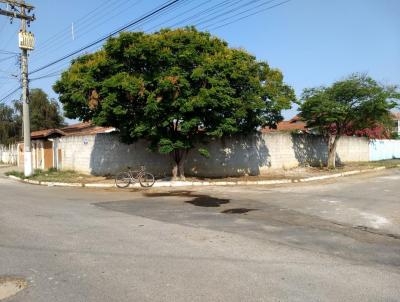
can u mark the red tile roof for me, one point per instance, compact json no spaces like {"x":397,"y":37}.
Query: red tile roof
{"x":291,"y":125}
{"x":85,"y":128}
{"x":46,"y":133}
{"x":396,"y":115}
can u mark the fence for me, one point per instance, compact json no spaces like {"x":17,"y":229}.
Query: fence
{"x":9,"y":154}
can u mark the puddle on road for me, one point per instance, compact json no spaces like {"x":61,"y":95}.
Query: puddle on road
{"x":238,"y":211}
{"x":10,"y":286}
{"x":207,"y":201}
{"x":199,"y":200}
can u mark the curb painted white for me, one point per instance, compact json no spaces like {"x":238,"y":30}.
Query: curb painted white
{"x":98,"y":185}
{"x":202,"y":183}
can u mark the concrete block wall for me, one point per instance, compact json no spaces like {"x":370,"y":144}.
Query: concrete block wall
{"x":103,"y":154}
{"x":77,"y":152}
{"x":258,"y":154}
{"x":109,"y":156}
{"x":353,"y":149}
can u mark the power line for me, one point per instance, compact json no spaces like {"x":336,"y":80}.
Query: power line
{"x":7,"y":52}
{"x":8,"y":58}
{"x":166,"y":12}
{"x":134,"y":22}
{"x":173,"y":18}
{"x":53,"y":41}
{"x":83,"y":17}
{"x":252,"y":14}
{"x":205,"y":11}
{"x":144,"y":22}
{"x":81,"y":33}
{"x":234,"y":9}
{"x":10,"y":94}
{"x":7,"y":41}
{"x":224,"y":4}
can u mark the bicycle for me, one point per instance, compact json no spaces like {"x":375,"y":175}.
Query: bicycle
{"x":124,"y":179}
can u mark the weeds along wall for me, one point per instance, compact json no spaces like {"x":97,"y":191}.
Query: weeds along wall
{"x":104,"y":154}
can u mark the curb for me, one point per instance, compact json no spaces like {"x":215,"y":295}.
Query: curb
{"x":203,"y":183}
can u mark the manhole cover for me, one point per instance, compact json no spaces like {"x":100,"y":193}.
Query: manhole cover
{"x":9,"y":286}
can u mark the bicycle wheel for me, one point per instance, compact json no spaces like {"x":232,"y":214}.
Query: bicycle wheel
{"x":122,"y":180}
{"x":147,"y":180}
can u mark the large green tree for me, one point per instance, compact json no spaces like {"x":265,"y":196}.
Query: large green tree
{"x":355,"y":103}
{"x":45,"y":113}
{"x":9,"y":127}
{"x":174,"y":88}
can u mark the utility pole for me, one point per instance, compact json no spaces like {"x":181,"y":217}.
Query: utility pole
{"x":26,"y":42}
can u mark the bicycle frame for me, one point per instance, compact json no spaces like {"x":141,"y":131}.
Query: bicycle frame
{"x":136,"y":174}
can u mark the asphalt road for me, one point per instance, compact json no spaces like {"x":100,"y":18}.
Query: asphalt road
{"x":337,"y":240}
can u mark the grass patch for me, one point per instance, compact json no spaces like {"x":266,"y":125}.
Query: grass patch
{"x":388,"y":163}
{"x":52,"y":175}
{"x":58,"y":176}
{"x":348,"y":166}
{"x":15,"y":173}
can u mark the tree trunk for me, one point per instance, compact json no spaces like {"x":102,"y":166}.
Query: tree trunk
{"x":181,"y":165}
{"x":175,"y":171}
{"x":332,"y":144}
{"x":179,"y":157}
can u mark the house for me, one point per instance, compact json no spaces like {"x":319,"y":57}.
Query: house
{"x":379,"y":132}
{"x":46,"y":144}
{"x":295,"y":124}
{"x":44,"y":148}
{"x":396,"y":123}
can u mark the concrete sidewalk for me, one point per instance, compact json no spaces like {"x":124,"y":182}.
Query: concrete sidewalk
{"x":216,"y":182}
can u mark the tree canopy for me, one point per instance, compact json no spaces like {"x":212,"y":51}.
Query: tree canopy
{"x":9,"y":128}
{"x":44,"y":114}
{"x":173,"y":88}
{"x":355,"y":103}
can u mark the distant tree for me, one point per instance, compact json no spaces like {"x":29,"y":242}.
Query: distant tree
{"x":355,"y":103}
{"x":173,"y":88}
{"x":45,"y":113}
{"x":9,"y":126}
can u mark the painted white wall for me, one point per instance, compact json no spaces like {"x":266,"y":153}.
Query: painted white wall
{"x":103,"y":154}
{"x":384,"y":149}
{"x":9,"y":154}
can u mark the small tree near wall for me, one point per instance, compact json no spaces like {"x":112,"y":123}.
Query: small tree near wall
{"x":357,"y":102}
{"x":174,"y":88}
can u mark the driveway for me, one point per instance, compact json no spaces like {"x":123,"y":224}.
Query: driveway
{"x":337,"y":240}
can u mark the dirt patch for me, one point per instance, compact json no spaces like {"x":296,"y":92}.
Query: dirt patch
{"x":10,"y":286}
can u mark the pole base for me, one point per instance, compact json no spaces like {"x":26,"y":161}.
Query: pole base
{"x":28,"y":163}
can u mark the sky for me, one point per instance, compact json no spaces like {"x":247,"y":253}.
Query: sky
{"x":313,"y":42}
